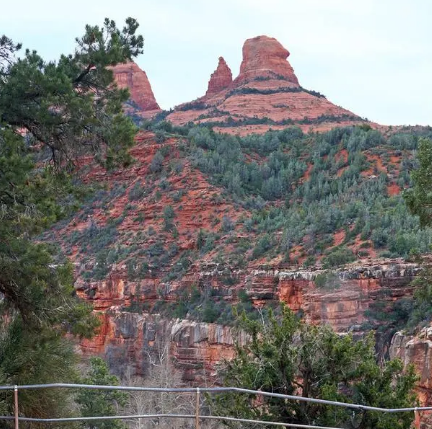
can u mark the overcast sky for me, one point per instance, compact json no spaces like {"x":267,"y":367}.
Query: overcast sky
{"x":373,"y":57}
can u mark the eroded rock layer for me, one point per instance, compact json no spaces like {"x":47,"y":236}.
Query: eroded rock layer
{"x":129,"y":333}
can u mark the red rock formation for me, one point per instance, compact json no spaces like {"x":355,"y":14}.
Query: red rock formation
{"x":266,"y":94}
{"x":130,"y":76}
{"x":197,"y":203}
{"x":265,"y":57}
{"x":128,"y":340}
{"x":220,"y":79}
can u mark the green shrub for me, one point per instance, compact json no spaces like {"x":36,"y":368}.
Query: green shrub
{"x":338,"y":257}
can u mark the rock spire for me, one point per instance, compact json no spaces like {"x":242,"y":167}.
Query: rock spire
{"x":220,"y":79}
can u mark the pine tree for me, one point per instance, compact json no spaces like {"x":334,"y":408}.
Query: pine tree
{"x":93,"y":402}
{"x":288,"y":356}
{"x":419,"y":197}
{"x":51,"y":114}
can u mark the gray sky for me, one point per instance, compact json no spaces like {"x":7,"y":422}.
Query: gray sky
{"x":373,"y":57}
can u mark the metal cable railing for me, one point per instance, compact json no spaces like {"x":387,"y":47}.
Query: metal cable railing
{"x":197,"y":416}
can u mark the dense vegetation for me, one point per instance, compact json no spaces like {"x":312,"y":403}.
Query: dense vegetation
{"x":299,"y":190}
{"x":415,"y":312}
{"x":338,"y":193}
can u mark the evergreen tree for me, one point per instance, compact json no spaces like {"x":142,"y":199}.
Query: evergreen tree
{"x":95,"y":402}
{"x":419,"y":197}
{"x":51,"y":114}
{"x":288,"y":356}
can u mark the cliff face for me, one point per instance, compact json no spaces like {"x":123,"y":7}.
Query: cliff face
{"x":135,"y":267}
{"x":130,"y":76}
{"x":416,"y":350}
{"x":131,"y":260}
{"x":127,"y":338}
{"x":266,"y":94}
{"x":128,"y":341}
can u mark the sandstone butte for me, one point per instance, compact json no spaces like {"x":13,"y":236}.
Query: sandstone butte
{"x":265,"y":57}
{"x":130,"y":76}
{"x":266,"y":94}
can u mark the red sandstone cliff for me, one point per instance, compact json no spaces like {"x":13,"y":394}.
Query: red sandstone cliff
{"x":130,"y":76}
{"x":198,"y":347}
{"x":220,"y":79}
{"x":126,"y":338}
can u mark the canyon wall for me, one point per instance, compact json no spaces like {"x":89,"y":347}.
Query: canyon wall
{"x":128,"y":336}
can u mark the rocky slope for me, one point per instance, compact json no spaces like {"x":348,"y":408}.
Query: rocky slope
{"x":178,"y":236}
{"x":265,"y":94}
{"x":165,"y":247}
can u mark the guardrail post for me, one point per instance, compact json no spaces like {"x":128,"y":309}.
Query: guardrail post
{"x":16,"y":407}
{"x":416,"y":418}
{"x":197,"y":407}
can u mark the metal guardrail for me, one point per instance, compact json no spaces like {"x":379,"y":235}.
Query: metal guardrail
{"x":197,"y":390}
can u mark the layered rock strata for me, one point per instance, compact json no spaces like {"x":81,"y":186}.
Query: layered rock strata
{"x":130,"y":341}
{"x":126,"y":338}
